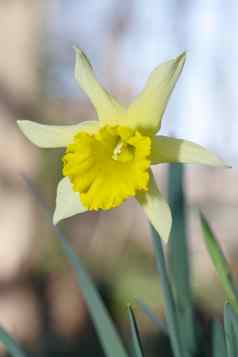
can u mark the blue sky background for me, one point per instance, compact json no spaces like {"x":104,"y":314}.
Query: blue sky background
{"x":126,"y":40}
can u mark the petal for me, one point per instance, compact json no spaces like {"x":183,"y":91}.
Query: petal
{"x":108,"y":109}
{"x":67,"y":201}
{"x":157,"y":209}
{"x":53,"y":136}
{"x":105,"y":182}
{"x":146,"y":111}
{"x":171,"y":150}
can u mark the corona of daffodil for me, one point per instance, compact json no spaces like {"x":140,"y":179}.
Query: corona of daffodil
{"x":109,"y":160}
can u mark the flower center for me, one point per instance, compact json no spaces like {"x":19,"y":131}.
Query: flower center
{"x":123,"y":152}
{"x":108,"y":166}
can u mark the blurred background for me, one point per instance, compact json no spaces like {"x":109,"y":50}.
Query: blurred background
{"x":40,"y":303}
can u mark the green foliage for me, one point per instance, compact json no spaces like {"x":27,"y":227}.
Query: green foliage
{"x":179,"y":257}
{"x":136,"y":340}
{"x":220,"y":263}
{"x":231,"y":330}
{"x":218,"y":340}
{"x":185,"y":331}
{"x":10,"y":344}
{"x":110,"y":340}
{"x":170,"y":307}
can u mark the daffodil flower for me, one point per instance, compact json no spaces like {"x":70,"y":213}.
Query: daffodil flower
{"x":109,"y":160}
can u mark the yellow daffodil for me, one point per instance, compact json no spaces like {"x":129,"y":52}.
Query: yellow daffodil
{"x":109,"y":160}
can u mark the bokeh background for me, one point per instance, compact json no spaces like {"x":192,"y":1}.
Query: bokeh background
{"x":40,"y":303}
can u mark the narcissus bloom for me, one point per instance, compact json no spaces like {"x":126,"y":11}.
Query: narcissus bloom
{"x":109,"y":160}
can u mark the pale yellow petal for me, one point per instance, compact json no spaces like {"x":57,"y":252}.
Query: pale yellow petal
{"x":108,"y":109}
{"x":157,"y":209}
{"x":146,"y":111}
{"x":67,"y":201}
{"x":171,"y":150}
{"x":53,"y":136}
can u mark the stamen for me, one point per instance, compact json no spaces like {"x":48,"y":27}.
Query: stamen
{"x":117,"y":150}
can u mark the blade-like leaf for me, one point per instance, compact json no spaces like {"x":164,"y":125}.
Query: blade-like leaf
{"x":220,"y":263}
{"x":179,"y":256}
{"x":170,"y":308}
{"x":155,"y":319}
{"x":106,"y":331}
{"x":231,"y":330}
{"x":136,"y":340}
{"x":218,"y":340}
{"x":10,"y":344}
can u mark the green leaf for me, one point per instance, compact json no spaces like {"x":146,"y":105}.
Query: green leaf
{"x":136,"y":340}
{"x":220,"y":263}
{"x":231,"y":330}
{"x":107,"y":333}
{"x":10,"y":344}
{"x":110,"y":340}
{"x":179,"y":256}
{"x":170,"y":308}
{"x":218,"y":340}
